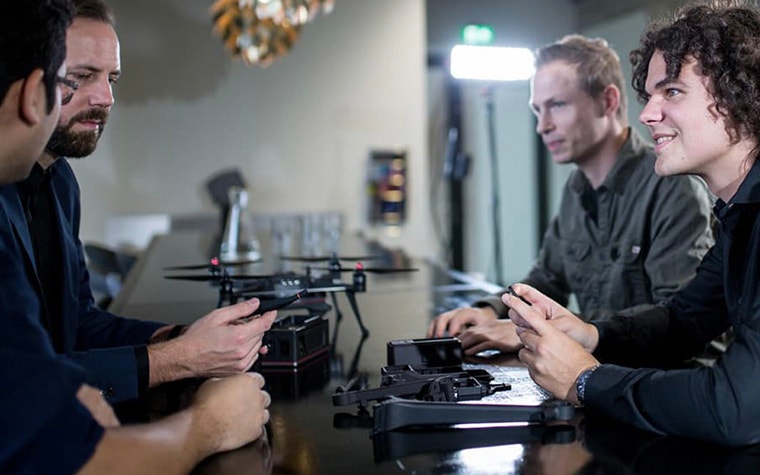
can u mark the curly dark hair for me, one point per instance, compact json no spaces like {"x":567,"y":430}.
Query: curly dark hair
{"x":724,"y":38}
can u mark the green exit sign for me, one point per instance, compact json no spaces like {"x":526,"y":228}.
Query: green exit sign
{"x":478,"y":35}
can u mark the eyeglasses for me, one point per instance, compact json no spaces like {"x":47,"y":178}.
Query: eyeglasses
{"x":68,"y":94}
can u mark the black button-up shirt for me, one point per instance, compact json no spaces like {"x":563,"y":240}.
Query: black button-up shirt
{"x":39,"y":206}
{"x":37,"y":197}
{"x":720,"y":403}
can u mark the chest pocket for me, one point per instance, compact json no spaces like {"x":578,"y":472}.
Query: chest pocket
{"x":628,"y":282}
{"x":605,"y":265}
{"x":577,"y":261}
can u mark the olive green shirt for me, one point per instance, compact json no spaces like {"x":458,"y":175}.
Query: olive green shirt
{"x":635,"y":240}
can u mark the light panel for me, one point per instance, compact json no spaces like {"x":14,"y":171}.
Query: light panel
{"x":491,"y":63}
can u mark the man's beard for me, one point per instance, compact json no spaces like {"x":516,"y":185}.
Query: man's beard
{"x":66,"y":143}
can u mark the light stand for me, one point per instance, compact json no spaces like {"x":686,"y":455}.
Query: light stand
{"x":495,"y":201}
{"x":492,"y":63}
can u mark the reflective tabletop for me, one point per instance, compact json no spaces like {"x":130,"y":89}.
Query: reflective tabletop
{"x":309,"y":435}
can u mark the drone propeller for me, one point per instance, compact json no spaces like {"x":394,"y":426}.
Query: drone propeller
{"x":329,"y":258}
{"x":213,"y":263}
{"x":374,"y":270}
{"x":209,"y":278}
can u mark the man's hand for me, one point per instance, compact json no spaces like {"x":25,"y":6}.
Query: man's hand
{"x":560,"y":317}
{"x":222,"y":343}
{"x":557,"y":459}
{"x":455,"y":321}
{"x":231,"y":412}
{"x":218,"y":344}
{"x":225,"y":415}
{"x":101,"y":411}
{"x":495,"y":334}
{"x":554,"y":359}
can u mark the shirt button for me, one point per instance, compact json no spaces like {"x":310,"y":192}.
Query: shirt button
{"x":108,"y":393}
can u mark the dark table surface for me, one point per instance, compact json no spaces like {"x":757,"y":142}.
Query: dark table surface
{"x":309,"y":435}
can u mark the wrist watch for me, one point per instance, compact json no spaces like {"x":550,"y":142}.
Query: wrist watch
{"x":580,"y":383}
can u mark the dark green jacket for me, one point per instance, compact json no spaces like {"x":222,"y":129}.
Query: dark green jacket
{"x":649,"y":236}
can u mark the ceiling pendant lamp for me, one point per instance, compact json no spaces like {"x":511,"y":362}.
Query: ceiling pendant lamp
{"x":260,"y":31}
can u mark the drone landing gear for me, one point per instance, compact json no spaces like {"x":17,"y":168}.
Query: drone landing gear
{"x":351,"y":296}
{"x":226,"y":292}
{"x":338,"y":319}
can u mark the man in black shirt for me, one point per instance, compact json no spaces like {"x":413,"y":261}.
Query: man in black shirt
{"x":699,"y":75}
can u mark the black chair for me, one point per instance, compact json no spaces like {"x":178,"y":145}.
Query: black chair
{"x":108,"y":268}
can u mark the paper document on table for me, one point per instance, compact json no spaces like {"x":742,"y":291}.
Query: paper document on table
{"x":524,"y":390}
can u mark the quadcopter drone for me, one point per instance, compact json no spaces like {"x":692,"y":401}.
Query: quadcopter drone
{"x":315,"y":281}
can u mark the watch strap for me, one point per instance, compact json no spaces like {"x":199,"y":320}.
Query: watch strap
{"x":580,"y":383}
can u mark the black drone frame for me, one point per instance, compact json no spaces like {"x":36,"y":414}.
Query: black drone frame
{"x":327,"y":280}
{"x":280,"y":284}
{"x":232,"y":288}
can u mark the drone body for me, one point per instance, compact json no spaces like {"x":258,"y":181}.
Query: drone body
{"x":317,"y":282}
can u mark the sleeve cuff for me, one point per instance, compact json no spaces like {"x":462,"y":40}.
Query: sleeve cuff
{"x":599,"y":328}
{"x":143,"y":369}
{"x":493,"y":301}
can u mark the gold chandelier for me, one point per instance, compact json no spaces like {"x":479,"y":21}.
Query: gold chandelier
{"x":260,"y":31}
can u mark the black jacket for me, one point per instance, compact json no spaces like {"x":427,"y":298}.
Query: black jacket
{"x":721,"y":403}
{"x":99,"y":341}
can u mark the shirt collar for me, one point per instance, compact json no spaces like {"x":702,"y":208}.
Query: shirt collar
{"x":36,"y":179}
{"x":748,"y":192}
{"x":629,"y":155}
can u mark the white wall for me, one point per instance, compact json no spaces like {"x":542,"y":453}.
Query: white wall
{"x":299,"y":130}
{"x":516,"y":170}
{"x":622,"y":34}
{"x":516,"y":23}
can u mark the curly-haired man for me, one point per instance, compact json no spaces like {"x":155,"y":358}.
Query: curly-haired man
{"x":699,"y":75}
